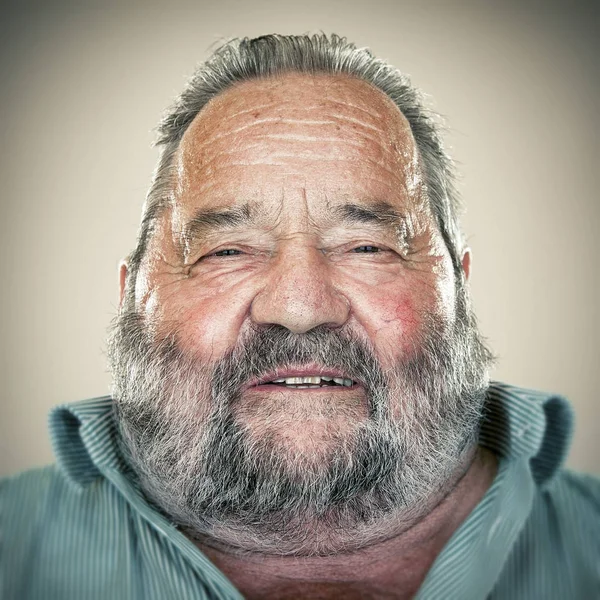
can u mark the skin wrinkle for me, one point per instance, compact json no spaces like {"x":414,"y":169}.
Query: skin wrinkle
{"x":306,"y":123}
{"x":236,"y":113}
{"x":337,"y":83}
{"x":205,"y":186}
{"x":294,"y":152}
{"x":343,"y":119}
{"x":215,"y":104}
{"x":295,"y":156}
{"x":376,"y":117}
{"x":212,"y":154}
{"x":302,"y":291}
{"x":192,"y":236}
{"x":305,"y":138}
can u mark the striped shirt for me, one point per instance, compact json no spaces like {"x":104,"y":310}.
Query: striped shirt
{"x":82,"y":530}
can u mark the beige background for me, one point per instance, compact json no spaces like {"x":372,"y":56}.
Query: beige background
{"x":82,"y":88}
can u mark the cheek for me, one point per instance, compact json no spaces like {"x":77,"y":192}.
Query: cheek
{"x":208,"y":331}
{"x":394,"y":316}
{"x":404,"y":312}
{"x":207,"y":325}
{"x":395,"y":323}
{"x":394,"y":310}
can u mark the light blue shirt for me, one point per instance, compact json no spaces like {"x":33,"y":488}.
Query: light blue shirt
{"x":81,"y":529}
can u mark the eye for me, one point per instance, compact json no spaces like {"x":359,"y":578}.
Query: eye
{"x":367,"y":249}
{"x":226,"y":252}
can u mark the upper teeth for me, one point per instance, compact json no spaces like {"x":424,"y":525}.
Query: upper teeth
{"x":313,"y":380}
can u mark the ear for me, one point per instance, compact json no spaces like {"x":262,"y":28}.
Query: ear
{"x":123,"y":269}
{"x":466,"y":262}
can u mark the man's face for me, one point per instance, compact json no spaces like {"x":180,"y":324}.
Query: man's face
{"x":299,"y":243}
{"x":294,"y":153}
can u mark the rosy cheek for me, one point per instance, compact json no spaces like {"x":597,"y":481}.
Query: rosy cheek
{"x":406,"y":325}
{"x":389,"y":320}
{"x":172,"y":308}
{"x":404,"y":312}
{"x":395,"y":318}
{"x":410,"y":324}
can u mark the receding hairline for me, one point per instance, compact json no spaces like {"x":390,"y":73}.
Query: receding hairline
{"x":282,"y":77}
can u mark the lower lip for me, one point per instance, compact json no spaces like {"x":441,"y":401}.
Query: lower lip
{"x":325,"y":389}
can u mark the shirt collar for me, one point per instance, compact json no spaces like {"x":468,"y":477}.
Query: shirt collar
{"x":522,"y":423}
{"x":84,"y":439}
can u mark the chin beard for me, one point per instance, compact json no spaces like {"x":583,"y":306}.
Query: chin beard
{"x":207,"y":470}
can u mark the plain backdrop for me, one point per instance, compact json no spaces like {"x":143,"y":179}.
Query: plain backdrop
{"x":82,"y":88}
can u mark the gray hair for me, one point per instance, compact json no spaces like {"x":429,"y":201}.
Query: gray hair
{"x":271,"y":55}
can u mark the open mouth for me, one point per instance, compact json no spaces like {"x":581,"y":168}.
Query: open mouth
{"x":311,"y":382}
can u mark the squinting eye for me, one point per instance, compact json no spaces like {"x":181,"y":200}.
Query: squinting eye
{"x":227,"y":252}
{"x":367,"y":249}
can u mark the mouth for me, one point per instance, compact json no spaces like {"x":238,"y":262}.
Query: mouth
{"x":304,"y":380}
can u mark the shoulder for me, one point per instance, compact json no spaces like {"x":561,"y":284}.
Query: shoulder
{"x":557,"y":553}
{"x":48,"y":524}
{"x":572,"y":501}
{"x":31,"y":489}
{"x":580,"y":487}
{"x":35,"y":502}
{"x":22,"y":496}
{"x":43,"y":498}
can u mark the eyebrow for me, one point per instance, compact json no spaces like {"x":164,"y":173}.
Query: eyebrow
{"x":379,"y":213}
{"x":207,"y":221}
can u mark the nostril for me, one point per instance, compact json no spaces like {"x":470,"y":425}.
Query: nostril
{"x":299,"y":307}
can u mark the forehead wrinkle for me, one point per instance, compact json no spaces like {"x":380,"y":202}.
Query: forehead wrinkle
{"x":372,"y":114}
{"x":214,"y":105}
{"x":277,"y":89}
{"x":213,"y":153}
{"x":282,"y":159}
{"x":394,"y":153}
{"x":209,"y":163}
{"x":379,"y":140}
{"x":209,"y":152}
{"x":411,"y":184}
{"x":204,"y":155}
{"x":278,"y":120}
{"x":355,"y":121}
{"x":233,"y":100}
{"x":298,"y":137}
{"x":309,"y":124}
{"x":276,"y":105}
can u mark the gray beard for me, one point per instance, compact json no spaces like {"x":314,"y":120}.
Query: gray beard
{"x":198,"y":463}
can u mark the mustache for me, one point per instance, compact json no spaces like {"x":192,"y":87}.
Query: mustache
{"x":267,"y":349}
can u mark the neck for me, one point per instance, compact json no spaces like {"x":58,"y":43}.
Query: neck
{"x":396,"y":563}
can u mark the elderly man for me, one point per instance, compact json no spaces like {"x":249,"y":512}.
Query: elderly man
{"x":301,"y":403}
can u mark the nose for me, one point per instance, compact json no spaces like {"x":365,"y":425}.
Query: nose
{"x":299,"y":293}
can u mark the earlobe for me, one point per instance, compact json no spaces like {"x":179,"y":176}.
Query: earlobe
{"x":123,"y":269}
{"x":466,"y":262}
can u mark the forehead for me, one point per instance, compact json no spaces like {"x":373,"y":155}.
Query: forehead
{"x":319,"y":137}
